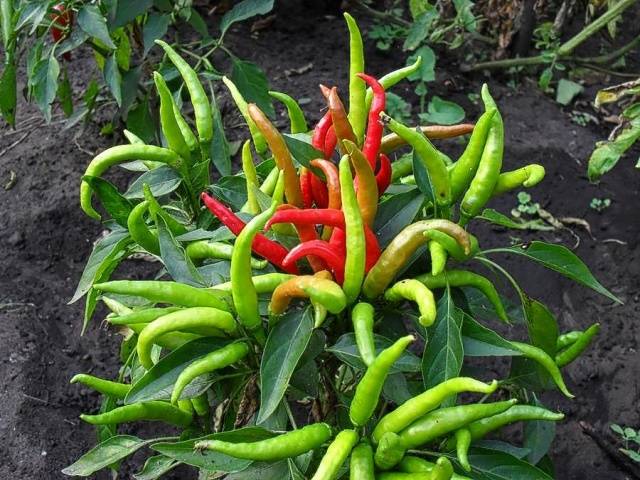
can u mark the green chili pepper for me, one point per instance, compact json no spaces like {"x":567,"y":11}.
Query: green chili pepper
{"x":140,"y":232}
{"x":567,"y":339}
{"x":440,"y":422}
{"x":451,"y":246}
{"x":322,"y":291}
{"x":357,"y":86}
{"x":187,"y":134}
{"x":337,"y":453}
{"x":134,"y":139}
{"x":415,"y":291}
{"x":266,"y":283}
{"x":411,"y":464}
{"x":527,"y":176}
{"x":354,"y":228}
{"x":211,"y":362}
{"x":416,"y":407}
{"x":249,"y":169}
{"x":152,"y":410}
{"x":367,"y":392}
{"x":438,"y":257}
{"x":287,"y":445}
{"x":296,"y":115}
{"x":465,"y":168}
{"x":428,"y":155}
{"x":156,"y":210}
{"x":170,"y":128}
{"x":259,"y":141}
{"x":573,"y":351}
{"x":245,"y":296}
{"x":170,"y":341}
{"x":361,"y":465}
{"x":462,"y":278}
{"x":106,"y":387}
{"x":166,"y":292}
{"x":389,"y":452}
{"x":186,"y":406}
{"x":203,"y":320}
{"x":401,"y":167}
{"x":441,"y":470}
{"x":201,"y":405}
{"x":362,"y":319}
{"x":540,"y":356}
{"x":199,"y":99}
{"x":486,"y":177}
{"x":390,"y":79}
{"x":202,"y":249}
{"x":141,"y":316}
{"x":402,"y":247}
{"x":120,"y":154}
{"x":463,"y":442}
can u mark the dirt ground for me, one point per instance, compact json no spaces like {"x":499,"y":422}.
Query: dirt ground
{"x":45,"y":240}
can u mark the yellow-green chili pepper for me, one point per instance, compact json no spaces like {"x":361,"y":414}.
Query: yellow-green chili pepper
{"x":336,"y":454}
{"x":357,"y":86}
{"x":168,"y":122}
{"x":259,"y":141}
{"x":154,"y":410}
{"x":526,"y":176}
{"x":296,"y":115}
{"x":362,"y":319}
{"x":251,"y":177}
{"x":416,"y":291}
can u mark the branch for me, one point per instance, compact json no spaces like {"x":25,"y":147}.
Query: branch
{"x":608,"y":447}
{"x":383,"y":15}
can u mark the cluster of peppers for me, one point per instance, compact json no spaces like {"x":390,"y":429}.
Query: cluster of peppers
{"x":332,"y":208}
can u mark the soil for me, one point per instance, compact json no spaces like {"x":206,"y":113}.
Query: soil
{"x":46,"y":239}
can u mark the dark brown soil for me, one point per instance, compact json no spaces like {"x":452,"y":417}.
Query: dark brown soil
{"x":45,"y":240}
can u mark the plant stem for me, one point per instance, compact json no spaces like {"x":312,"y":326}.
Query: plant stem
{"x":386,"y":16}
{"x":610,"y":57}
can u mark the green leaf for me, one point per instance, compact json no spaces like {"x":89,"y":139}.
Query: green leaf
{"x":465,"y":15}
{"x":91,"y":21}
{"x":427,"y":70}
{"x":443,"y":112}
{"x":421,"y":174}
{"x":299,"y":144}
{"x":126,"y":12}
{"x":207,"y":459}
{"x":253,"y":85}
{"x":562,"y":260}
{"x":538,"y":436}
{"x":232,"y":190}
{"x":220,"y":155}
{"x":443,"y":351}
{"x":420,"y":29}
{"x":107,"y":251}
{"x":45,"y":84}
{"x":607,"y":154}
{"x":117,"y":206}
{"x":140,"y":122}
{"x":154,"y":28}
{"x":162,"y":181}
{"x":395,"y":213}
{"x":157,"y":383}
{"x":285,"y":345}
{"x":156,"y":466}
{"x":480,"y":341}
{"x":65,"y":94}
{"x":495,"y":465}
{"x":178,"y":264}
{"x":263,"y":471}
{"x":198,"y":24}
{"x":8,"y":92}
{"x":497,"y":218}
{"x":243,"y":10}
{"x":347,"y":351}
{"x":104,"y":454}
{"x":113,"y":78}
{"x":567,"y":91}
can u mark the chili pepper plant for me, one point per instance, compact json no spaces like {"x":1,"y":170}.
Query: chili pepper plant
{"x":312,"y":313}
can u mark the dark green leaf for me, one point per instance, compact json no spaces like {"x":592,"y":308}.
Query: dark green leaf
{"x":113,"y":202}
{"x":106,"y":251}
{"x":126,"y":12}
{"x":162,"y":181}
{"x":253,"y":85}
{"x":423,"y":180}
{"x":495,"y":465}
{"x":154,"y":28}
{"x":395,"y":213}
{"x":538,"y":436}
{"x":198,"y":24}
{"x":231,"y":190}
{"x":154,"y":467}
{"x":8,"y":92}
{"x":347,"y":351}
{"x":129,"y":89}
{"x":91,"y":21}
{"x":175,"y":260}
{"x":157,"y":383}
{"x":497,"y":218}
{"x":443,"y":352}
{"x":243,"y":10}
{"x":263,"y":471}
{"x":480,"y":341}
{"x":285,"y":345}
{"x":299,"y":144}
{"x":65,"y":95}
{"x":104,"y":454}
{"x":220,"y":155}
{"x":562,"y":260}
{"x":45,"y":84}
{"x":113,"y":79}
{"x":396,"y":389}
{"x":140,"y":122}
{"x":607,"y":153}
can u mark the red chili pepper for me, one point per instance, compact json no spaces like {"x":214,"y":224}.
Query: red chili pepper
{"x":330,"y":217}
{"x":266,"y":248}
{"x":320,"y":192}
{"x":326,"y":91}
{"x":59,"y":23}
{"x":375,"y":128}
{"x":320,"y":132}
{"x":321,"y":249}
{"x":306,"y":233}
{"x":305,"y":187}
{"x":330,"y":143}
{"x":383,"y":177}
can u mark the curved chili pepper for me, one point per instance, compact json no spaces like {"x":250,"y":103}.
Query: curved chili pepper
{"x":106,"y":387}
{"x":265,"y":283}
{"x":334,"y":199}
{"x":259,"y":141}
{"x":168,"y":122}
{"x":365,"y":183}
{"x":151,"y":410}
{"x":375,"y":128}
{"x":140,"y":232}
{"x":281,"y":154}
{"x":540,"y":356}
{"x":575,"y":348}
{"x":266,"y":248}
{"x":416,"y":291}
{"x":357,"y":88}
{"x":326,"y":91}
{"x":305,"y":187}
{"x":296,"y":115}
{"x":438,"y":257}
{"x":341,"y":124}
{"x":319,"y":191}
{"x":251,"y":178}
{"x":321,"y":249}
{"x":361,"y":465}
{"x":389,"y":452}
{"x":320,"y":131}
{"x":390,"y":79}
{"x":433,"y":132}
{"x":362,"y":319}
{"x":383,"y":177}
{"x":328,"y":217}
{"x":337,"y":453}
{"x":318,"y":288}
{"x":330,"y":142}
{"x":526,"y":176}
{"x":306,"y":233}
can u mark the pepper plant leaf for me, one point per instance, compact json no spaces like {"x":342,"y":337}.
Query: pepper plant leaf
{"x":104,"y":454}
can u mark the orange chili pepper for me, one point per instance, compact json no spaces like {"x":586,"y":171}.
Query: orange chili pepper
{"x":341,"y":124}
{"x":365,"y":183}
{"x":319,"y":288}
{"x":433,"y":132}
